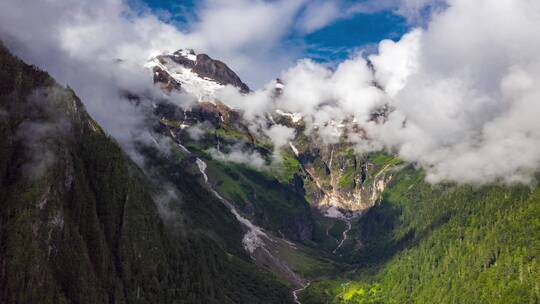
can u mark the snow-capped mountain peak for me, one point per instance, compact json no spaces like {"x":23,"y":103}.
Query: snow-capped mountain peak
{"x":173,"y":75}
{"x":196,"y":74}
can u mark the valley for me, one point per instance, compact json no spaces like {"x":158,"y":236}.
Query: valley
{"x":348,"y":222}
{"x":221,"y":213}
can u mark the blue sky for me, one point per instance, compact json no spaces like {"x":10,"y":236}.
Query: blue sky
{"x":331,"y":43}
{"x":337,"y":40}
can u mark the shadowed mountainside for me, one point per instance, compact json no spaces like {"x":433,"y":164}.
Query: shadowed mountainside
{"x":79,"y":221}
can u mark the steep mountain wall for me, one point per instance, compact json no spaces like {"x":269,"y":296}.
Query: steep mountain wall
{"x":339,"y":181}
{"x":79,"y":222}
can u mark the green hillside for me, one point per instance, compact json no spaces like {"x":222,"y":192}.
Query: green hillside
{"x":443,"y":244}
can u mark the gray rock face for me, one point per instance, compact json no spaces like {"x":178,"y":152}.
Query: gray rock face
{"x":206,"y":67}
{"x":167,"y":82}
{"x":219,"y":71}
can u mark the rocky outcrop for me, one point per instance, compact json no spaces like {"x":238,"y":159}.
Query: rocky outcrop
{"x":218,"y":71}
{"x":200,"y":66}
{"x":340,"y":182}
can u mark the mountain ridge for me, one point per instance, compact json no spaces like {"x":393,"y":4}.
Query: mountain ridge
{"x":80,"y":222}
{"x":87,"y":228}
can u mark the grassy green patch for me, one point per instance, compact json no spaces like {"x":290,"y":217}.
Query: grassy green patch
{"x":284,"y":171}
{"x":268,"y":202}
{"x":346,"y":181}
{"x":337,"y":229}
{"x":307,"y":262}
{"x":381,"y":159}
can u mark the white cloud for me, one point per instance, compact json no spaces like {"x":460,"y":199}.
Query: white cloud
{"x":463,"y":88}
{"x":280,"y":135}
{"x":470,"y":105}
{"x":464,"y":94}
{"x":252,"y":105}
{"x":247,"y":35}
{"x":415,"y":11}
{"x":238,"y":155}
{"x":322,"y":94}
{"x":395,"y":62}
{"x":235,"y":24}
{"x":80,"y":44}
{"x":318,"y":14}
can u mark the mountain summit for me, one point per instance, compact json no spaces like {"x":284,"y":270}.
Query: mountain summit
{"x":197,"y":74}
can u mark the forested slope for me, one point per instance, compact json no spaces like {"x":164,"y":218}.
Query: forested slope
{"x":443,"y":244}
{"x":79,"y":221}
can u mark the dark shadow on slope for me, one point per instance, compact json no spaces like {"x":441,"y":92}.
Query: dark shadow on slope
{"x":382,"y":231}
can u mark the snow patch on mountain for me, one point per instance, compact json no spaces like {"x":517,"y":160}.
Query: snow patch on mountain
{"x":295,"y":117}
{"x":204,"y":89}
{"x":188,"y":54}
{"x":295,"y":150}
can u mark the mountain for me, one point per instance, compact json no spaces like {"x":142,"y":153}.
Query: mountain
{"x":223,"y":216}
{"x":384,"y":234}
{"x":198,"y":75}
{"x":333,"y":176}
{"x":81,"y":223}
{"x":442,"y":244}
{"x":310,"y":197}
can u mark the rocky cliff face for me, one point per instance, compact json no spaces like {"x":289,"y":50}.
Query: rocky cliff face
{"x":340,"y":182}
{"x":207,"y":67}
{"x":198,"y":75}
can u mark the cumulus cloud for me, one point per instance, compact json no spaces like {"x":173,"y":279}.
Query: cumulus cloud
{"x":238,"y":155}
{"x":462,"y":89}
{"x":280,"y":135}
{"x":323,"y":94}
{"x":246,"y":34}
{"x":470,"y":102}
{"x":253,"y":105}
{"x":318,"y":14}
{"x":97,"y":52}
{"x":99,"y":48}
{"x":463,"y":94}
{"x":415,"y":10}
{"x":395,"y":62}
